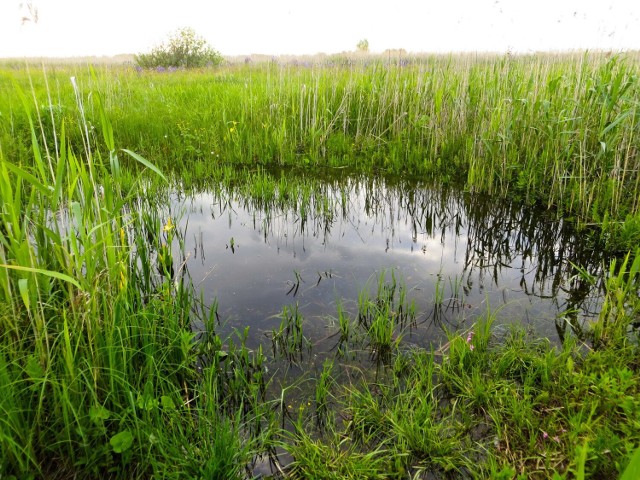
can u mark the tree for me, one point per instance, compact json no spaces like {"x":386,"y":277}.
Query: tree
{"x":184,"y":48}
{"x":363,"y":45}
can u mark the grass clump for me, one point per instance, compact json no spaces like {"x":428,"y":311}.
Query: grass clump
{"x":493,"y":402}
{"x":98,"y":359}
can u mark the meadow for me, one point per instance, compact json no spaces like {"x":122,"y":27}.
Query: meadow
{"x":103,"y":372}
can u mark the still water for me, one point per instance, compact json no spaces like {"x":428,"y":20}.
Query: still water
{"x":460,"y":255}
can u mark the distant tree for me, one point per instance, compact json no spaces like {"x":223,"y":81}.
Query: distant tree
{"x":184,"y":48}
{"x":363,"y":45}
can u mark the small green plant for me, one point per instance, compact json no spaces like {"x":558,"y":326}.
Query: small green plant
{"x":344,"y":323}
{"x":381,"y":333}
{"x":288,"y":341}
{"x":324,"y":384}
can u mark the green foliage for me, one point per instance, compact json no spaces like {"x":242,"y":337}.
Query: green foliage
{"x":363,"y":45}
{"x":633,"y":469}
{"x":99,"y":364}
{"x":184,"y":48}
{"x":121,"y":442}
{"x":558,"y":131}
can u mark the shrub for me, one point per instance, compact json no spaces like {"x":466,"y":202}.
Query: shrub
{"x":363,"y":46}
{"x":184,"y":48}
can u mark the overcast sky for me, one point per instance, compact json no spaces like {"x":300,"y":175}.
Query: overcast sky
{"x":89,"y":27}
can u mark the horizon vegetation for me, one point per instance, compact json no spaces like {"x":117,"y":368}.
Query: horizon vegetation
{"x":103,"y":372}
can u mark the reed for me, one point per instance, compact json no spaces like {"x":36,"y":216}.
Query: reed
{"x":97,"y":355}
{"x":560,"y":131}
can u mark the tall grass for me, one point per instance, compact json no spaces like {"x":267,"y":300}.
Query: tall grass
{"x":97,"y":355}
{"x":561,"y":131}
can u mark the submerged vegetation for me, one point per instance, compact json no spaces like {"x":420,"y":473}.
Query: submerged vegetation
{"x":113,"y":365}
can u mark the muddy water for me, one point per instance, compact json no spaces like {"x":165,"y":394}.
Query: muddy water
{"x":459,"y":255}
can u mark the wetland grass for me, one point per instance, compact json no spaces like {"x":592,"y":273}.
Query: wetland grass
{"x":385,"y":316}
{"x":103,"y":373}
{"x":491,"y":405}
{"x":288,"y":340}
{"x":559,"y":131}
{"x":97,"y":354}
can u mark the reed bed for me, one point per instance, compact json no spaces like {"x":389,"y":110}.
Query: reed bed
{"x":561,"y":131}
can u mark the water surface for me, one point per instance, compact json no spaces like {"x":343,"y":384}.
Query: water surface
{"x":460,"y":255}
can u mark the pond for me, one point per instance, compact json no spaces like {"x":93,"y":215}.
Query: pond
{"x":454,"y":256}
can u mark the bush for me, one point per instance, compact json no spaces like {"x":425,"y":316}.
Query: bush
{"x":184,"y":48}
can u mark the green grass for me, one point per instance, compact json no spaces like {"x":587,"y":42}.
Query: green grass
{"x":101,"y":370}
{"x":97,"y":355}
{"x":288,"y":340}
{"x":489,"y":405}
{"x":561,"y":131}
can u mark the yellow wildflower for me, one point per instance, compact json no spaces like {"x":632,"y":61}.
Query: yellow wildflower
{"x":169,"y":226}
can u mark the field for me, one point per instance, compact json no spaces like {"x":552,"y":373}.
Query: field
{"x":113,"y":364}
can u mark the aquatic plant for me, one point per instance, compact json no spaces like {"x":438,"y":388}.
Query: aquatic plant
{"x":288,"y":340}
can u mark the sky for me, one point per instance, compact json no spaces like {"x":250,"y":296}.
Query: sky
{"x":278,"y":27}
